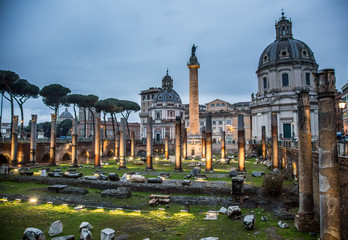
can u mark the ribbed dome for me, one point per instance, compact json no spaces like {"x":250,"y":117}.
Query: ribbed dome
{"x":167,"y":95}
{"x":285,"y":49}
{"x":66,"y":114}
{"x":288,"y":50}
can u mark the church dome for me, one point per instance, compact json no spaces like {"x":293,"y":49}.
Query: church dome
{"x":66,"y":115}
{"x":285,"y":49}
{"x":167,"y":93}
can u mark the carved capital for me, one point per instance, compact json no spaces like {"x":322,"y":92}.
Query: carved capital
{"x":33,"y":117}
{"x":325,"y":81}
{"x":303,"y":99}
{"x":53,"y":117}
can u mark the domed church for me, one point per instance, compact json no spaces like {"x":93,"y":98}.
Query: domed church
{"x":164,"y":106}
{"x":285,"y":67}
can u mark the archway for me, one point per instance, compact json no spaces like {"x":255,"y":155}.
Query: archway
{"x":45,"y":158}
{"x":85,"y":154}
{"x":66,"y":156}
{"x":5,"y":158}
{"x":142,"y":153}
{"x":110,"y":153}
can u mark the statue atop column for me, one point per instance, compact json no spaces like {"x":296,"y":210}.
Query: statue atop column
{"x":193,"y":59}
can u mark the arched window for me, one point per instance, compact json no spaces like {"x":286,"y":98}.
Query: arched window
{"x":308,"y":79}
{"x":212,"y":105}
{"x":218,"y":105}
{"x":285,"y":79}
{"x":265,"y":83}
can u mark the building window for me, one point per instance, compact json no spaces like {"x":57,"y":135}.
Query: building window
{"x":229,"y":122}
{"x":158,"y":114}
{"x":201,"y":123}
{"x":218,"y":105}
{"x":212,"y":105}
{"x":308,"y":79}
{"x":220,"y":122}
{"x":214,"y":122}
{"x":285,"y":79}
{"x":264,"y":83}
{"x":222,"y":104}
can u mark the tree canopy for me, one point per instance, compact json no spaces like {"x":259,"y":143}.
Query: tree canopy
{"x":53,"y":96}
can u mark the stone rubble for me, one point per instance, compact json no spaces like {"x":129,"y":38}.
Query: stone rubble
{"x":107,"y":234}
{"x":85,"y":234}
{"x":33,"y":234}
{"x":55,"y":228}
{"x":234,"y":212}
{"x":249,"y":221}
{"x":86,"y":225}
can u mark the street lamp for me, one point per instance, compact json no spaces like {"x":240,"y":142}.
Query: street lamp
{"x":342,"y":105}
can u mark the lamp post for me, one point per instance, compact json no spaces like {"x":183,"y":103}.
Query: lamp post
{"x":342,"y":105}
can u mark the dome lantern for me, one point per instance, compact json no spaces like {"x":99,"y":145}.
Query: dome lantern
{"x":167,"y":81}
{"x":283,"y":28}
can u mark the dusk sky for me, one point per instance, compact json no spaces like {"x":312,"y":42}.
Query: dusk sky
{"x":118,"y":48}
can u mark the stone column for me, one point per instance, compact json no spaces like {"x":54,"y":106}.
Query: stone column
{"x":274,"y":128}
{"x":329,"y":184}
{"x":14,"y":141}
{"x":193,"y":65}
{"x":123,"y":149}
{"x":304,"y":219}
{"x":203,"y":143}
{"x":208,"y":142}
{"x":184,"y":143}
{"x":33,"y":138}
{"x":74,"y":136}
{"x":178,"y":167}
{"x":97,"y":142}
{"x":223,"y":146}
{"x":132,"y":145}
{"x":263,"y":142}
{"x":149,"y":147}
{"x":117,"y":145}
{"x":166,"y":147}
{"x":53,"y":140}
{"x":241,"y":143}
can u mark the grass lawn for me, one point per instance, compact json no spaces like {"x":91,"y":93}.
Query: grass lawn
{"x":151,"y":223}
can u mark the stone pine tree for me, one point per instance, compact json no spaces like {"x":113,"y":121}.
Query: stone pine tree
{"x":7,"y":79}
{"x":110,"y":106}
{"x":53,"y":96}
{"x":22,"y":91}
{"x":127,"y":108}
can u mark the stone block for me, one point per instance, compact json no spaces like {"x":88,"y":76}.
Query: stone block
{"x":55,"y":228}
{"x":223,"y":210}
{"x":234,"y":212}
{"x":249,"y":221}
{"x":113,"y":177}
{"x":33,"y":234}
{"x":137,"y":178}
{"x":186,"y":183}
{"x":195,"y":171}
{"x":154,"y":180}
{"x":85,"y":234}
{"x":211,"y":215}
{"x":86,"y":225}
{"x":56,"y":188}
{"x":107,"y":234}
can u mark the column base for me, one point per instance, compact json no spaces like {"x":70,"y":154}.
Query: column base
{"x":305,"y":222}
{"x":178,"y":170}
{"x":209,"y":171}
{"x":74,"y":166}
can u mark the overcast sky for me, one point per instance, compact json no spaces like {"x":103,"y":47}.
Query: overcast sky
{"x":118,"y":48}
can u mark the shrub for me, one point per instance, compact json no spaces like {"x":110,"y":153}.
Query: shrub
{"x":273,"y":183}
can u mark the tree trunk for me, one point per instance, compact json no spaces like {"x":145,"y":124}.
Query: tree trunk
{"x":105,"y":132}
{"x":84,"y":113}
{"x":93,"y":121}
{"x":113,"y":125}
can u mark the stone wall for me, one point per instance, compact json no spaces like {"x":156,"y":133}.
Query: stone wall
{"x":290,"y":158}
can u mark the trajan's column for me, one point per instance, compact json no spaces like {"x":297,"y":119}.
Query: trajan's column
{"x":194,"y":141}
